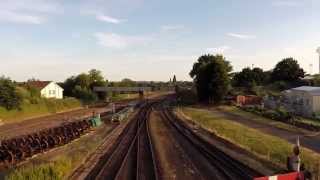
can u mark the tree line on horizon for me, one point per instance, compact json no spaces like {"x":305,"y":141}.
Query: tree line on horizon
{"x":214,"y":79}
{"x":79,"y":86}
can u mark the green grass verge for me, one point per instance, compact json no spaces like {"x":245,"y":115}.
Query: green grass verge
{"x":310,"y":121}
{"x":54,"y":170}
{"x":260,"y":119}
{"x":266,"y":146}
{"x":39,"y":108}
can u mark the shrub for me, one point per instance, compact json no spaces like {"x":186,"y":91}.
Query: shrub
{"x":9,"y":97}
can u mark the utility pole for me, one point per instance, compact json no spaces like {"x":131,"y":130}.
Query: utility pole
{"x":318,"y":51}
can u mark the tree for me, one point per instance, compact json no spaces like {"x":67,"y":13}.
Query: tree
{"x":83,"y":80}
{"x":249,"y":77}
{"x":287,"y":70}
{"x":69,"y":85}
{"x":211,"y":76}
{"x":95,"y":76}
{"x":126,"y":82}
{"x":82,"y":85}
{"x":86,"y":95}
{"x":9,"y":98}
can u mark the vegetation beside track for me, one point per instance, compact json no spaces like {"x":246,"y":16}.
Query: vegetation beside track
{"x":41,"y":107}
{"x":266,"y":146}
{"x":59,"y":163}
{"x":260,"y":119}
{"x":119,"y":97}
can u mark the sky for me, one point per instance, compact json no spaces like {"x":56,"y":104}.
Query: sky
{"x":152,"y":39}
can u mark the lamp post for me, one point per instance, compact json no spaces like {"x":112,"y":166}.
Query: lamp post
{"x":318,"y":51}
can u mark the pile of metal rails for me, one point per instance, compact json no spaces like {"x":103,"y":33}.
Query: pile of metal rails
{"x":15,"y":150}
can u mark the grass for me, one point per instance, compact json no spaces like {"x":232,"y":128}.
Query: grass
{"x":39,"y":108}
{"x":55,"y":170}
{"x":266,"y":146}
{"x":60,"y":164}
{"x":310,"y":121}
{"x":254,"y":117}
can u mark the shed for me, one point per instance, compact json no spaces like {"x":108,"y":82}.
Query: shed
{"x":304,"y":100}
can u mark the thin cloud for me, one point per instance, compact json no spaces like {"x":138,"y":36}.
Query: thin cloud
{"x":117,"y":41}
{"x":286,"y":3}
{"x":109,"y":19}
{"x":24,"y":12}
{"x":13,"y":17}
{"x":218,"y":50}
{"x":172,"y":27}
{"x":241,"y":36}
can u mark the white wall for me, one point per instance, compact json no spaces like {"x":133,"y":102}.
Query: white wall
{"x":52,"y":90}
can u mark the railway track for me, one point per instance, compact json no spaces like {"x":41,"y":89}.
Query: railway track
{"x":226,"y":167}
{"x":132,"y":156}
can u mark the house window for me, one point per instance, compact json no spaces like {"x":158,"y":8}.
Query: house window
{"x":52,"y":92}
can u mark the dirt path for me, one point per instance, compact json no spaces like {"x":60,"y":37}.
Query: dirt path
{"x":32,"y":125}
{"x":311,"y":141}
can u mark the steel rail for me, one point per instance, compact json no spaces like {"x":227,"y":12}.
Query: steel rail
{"x":231,"y":168}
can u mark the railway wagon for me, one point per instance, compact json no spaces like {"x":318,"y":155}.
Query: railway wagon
{"x":248,"y":100}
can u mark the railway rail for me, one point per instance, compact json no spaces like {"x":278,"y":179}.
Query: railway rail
{"x":227,"y":167}
{"x":132,"y":156}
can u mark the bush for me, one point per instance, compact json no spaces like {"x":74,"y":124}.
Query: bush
{"x":9,"y":97}
{"x":86,"y":95}
{"x":279,"y":114}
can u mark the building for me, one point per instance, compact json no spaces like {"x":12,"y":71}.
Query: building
{"x":48,"y":89}
{"x":304,"y":100}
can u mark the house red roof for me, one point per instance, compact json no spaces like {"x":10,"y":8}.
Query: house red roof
{"x":38,"y":84}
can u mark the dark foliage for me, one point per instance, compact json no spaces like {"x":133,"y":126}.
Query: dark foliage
{"x":81,"y":86}
{"x":9,"y":98}
{"x":249,"y":77}
{"x":211,"y":77}
{"x":287,"y":70}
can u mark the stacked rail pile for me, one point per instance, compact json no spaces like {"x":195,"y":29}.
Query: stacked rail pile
{"x":18,"y":149}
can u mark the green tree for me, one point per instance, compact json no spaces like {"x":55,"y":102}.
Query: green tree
{"x":82,"y":86}
{"x":83,"y":80}
{"x":86,"y":95}
{"x":211,"y":76}
{"x":249,"y":77}
{"x":9,"y":98}
{"x":287,"y":70}
{"x":126,"y":82}
{"x":68,"y":86}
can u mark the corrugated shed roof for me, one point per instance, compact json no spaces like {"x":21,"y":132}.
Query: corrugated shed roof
{"x":308,"y":89}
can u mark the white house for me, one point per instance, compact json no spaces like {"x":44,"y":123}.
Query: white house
{"x":48,"y":89}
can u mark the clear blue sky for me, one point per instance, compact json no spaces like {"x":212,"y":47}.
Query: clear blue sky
{"x":152,"y":39}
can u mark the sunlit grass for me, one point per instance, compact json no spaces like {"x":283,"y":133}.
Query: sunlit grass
{"x":266,"y":146}
{"x":42,"y":107}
